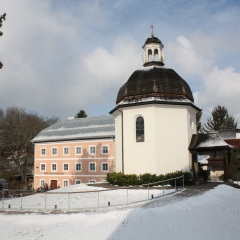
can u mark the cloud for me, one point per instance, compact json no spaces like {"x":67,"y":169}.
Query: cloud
{"x":195,"y":59}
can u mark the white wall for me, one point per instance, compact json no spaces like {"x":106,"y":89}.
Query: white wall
{"x":167,"y":136}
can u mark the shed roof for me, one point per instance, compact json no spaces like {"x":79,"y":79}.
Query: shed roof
{"x":78,"y":128}
{"x":208,"y":142}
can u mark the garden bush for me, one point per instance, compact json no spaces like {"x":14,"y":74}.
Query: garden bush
{"x":132,"y":179}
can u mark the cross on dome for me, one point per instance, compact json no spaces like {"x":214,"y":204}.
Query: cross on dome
{"x":152,"y":31}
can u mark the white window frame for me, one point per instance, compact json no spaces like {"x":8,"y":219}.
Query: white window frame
{"x":90,"y":150}
{"x":41,"y":167}
{"x":64,"y":169}
{"x":56,"y":151}
{"x":42,"y":180}
{"x":107,"y":149}
{"x":76,"y":150}
{"x":102,"y":166}
{"x":76,"y":167}
{"x":66,"y":154}
{"x":52,"y":167}
{"x":42,"y":150}
{"x":65,"y":180}
{"x":89,"y":168}
{"x":78,"y":180}
{"x":91,"y":181}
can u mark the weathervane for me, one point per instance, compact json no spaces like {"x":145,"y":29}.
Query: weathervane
{"x":152,"y":31}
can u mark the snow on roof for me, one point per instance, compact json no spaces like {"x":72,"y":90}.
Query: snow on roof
{"x":213,"y":140}
{"x":150,"y":68}
{"x":78,"y":128}
{"x":160,"y":99}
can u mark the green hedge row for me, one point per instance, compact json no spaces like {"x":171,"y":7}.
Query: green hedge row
{"x":133,"y":179}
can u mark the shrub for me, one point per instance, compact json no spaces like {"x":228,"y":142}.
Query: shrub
{"x":132,"y":179}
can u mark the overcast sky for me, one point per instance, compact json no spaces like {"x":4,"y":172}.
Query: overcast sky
{"x":62,"y":56}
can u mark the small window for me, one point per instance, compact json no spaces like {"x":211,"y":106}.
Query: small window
{"x":78,"y":167}
{"x":92,"y":181}
{"x":77,"y":181}
{"x":65,"y":151}
{"x":92,"y":167}
{"x":104,"y":149}
{"x":92,"y":149}
{"x":65,"y":183}
{"x":42,"y":183}
{"x":42,"y":167}
{"x":65,"y":167}
{"x":54,"y":151}
{"x":54,"y":167}
{"x":78,"y":150}
{"x":140,"y":129}
{"x":43,"y":151}
{"x":104,"y":167}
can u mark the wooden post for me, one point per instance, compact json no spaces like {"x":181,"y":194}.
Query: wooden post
{"x":225,"y":165}
{"x":193,"y":168}
{"x":229,"y":164}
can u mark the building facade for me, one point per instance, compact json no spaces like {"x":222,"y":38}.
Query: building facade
{"x":74,"y":151}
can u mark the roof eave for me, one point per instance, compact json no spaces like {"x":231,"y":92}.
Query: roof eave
{"x":154,"y":102}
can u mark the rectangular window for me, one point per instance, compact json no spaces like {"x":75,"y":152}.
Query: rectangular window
{"x":92,"y":149}
{"x":65,"y":151}
{"x":78,"y":167}
{"x":65,"y":167}
{"x":77,"y":181}
{"x":42,"y":183}
{"x":104,"y":167}
{"x":54,"y":167}
{"x":42,"y":167}
{"x":92,"y":181}
{"x":54,"y":151}
{"x":104,"y":149}
{"x":92,"y":167}
{"x":65,"y":183}
{"x":78,"y":150}
{"x":43,"y":151}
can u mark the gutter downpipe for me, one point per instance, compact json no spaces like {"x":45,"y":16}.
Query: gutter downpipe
{"x":122,"y":142}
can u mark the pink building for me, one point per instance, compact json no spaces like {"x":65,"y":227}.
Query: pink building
{"x":74,"y":151}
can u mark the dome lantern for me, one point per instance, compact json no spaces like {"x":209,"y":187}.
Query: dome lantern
{"x":153,"y":52}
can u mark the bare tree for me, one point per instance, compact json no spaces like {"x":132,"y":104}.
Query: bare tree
{"x":17,"y":128}
{"x":3,"y":17}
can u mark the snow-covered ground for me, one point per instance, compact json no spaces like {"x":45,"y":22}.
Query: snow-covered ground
{"x":82,"y":196}
{"x":212,"y":215}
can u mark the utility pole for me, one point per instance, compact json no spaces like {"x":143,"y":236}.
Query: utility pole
{"x":2,"y":18}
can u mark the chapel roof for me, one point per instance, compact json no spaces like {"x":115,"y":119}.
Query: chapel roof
{"x":152,"y":39}
{"x":78,"y":128}
{"x":153,"y":81}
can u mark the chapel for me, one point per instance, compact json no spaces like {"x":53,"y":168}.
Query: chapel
{"x":155,"y":117}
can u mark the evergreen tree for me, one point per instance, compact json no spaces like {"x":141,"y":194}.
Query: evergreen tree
{"x":230,"y":123}
{"x":2,"y":18}
{"x":219,"y":116}
{"x":199,"y":124}
{"x":81,"y":114}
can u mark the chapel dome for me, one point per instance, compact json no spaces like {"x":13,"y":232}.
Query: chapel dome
{"x":155,"y":81}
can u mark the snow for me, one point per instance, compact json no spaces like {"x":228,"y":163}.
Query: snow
{"x":149,"y":99}
{"x":83,"y":196}
{"x":213,"y":141}
{"x":213,"y":215}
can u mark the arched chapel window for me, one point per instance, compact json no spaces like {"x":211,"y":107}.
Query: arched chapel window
{"x":140,"y":129}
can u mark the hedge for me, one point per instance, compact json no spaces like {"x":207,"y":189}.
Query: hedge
{"x":121,"y":179}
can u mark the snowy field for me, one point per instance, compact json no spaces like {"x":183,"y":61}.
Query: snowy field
{"x":212,"y":215}
{"x":82,"y":196}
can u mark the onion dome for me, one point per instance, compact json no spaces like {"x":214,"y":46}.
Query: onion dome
{"x":155,"y":81}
